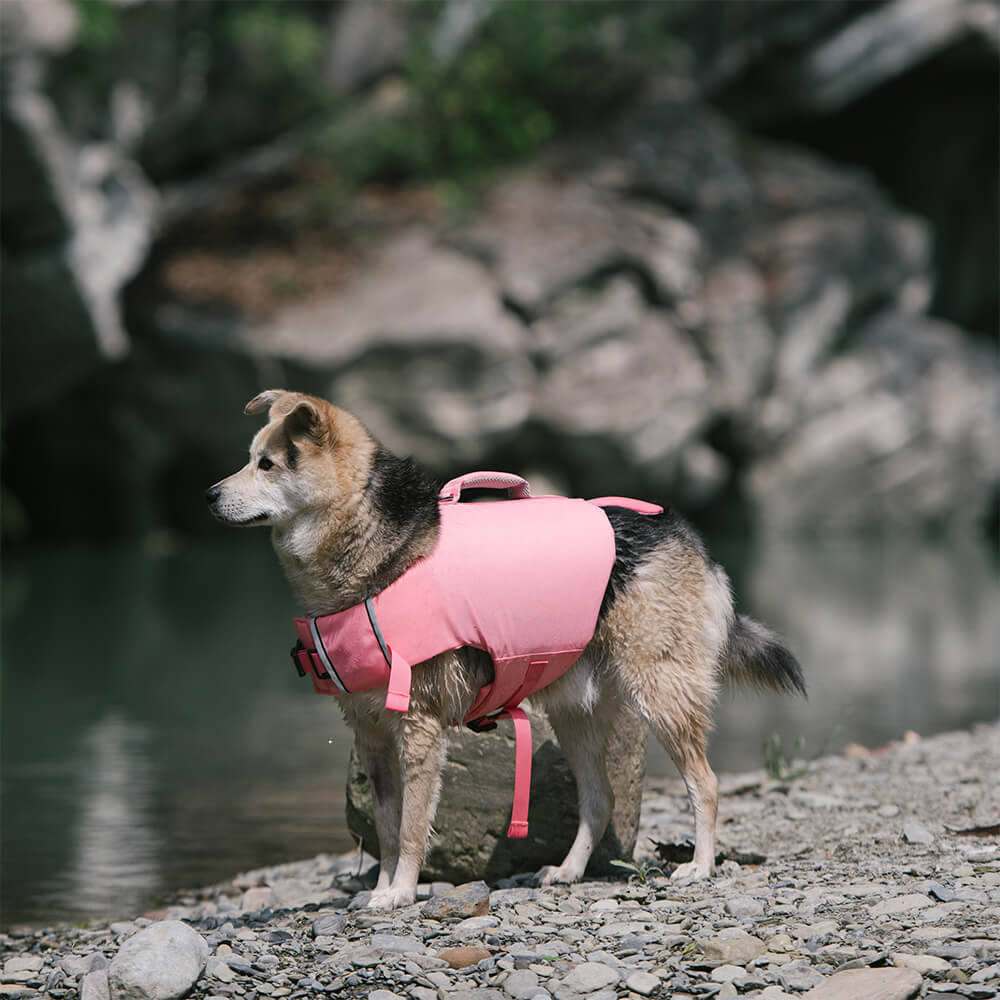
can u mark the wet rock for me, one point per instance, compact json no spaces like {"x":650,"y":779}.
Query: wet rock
{"x":161,"y":962}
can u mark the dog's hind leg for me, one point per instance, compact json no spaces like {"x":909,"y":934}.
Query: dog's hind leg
{"x":380,"y":759}
{"x":421,"y":757}
{"x":583,"y":737}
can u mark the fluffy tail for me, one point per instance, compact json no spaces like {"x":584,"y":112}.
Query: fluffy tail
{"x":755,"y":655}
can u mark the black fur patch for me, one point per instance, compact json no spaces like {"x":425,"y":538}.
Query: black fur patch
{"x":291,"y":455}
{"x":402,"y":495}
{"x":636,"y":536}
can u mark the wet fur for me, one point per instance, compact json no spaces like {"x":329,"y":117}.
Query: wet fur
{"x":348,"y":518}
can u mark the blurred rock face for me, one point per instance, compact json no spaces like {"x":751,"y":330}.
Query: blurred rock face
{"x":665,"y":308}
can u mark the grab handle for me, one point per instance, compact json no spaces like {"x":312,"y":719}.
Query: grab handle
{"x":516,"y":487}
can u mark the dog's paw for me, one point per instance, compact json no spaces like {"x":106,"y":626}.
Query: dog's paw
{"x":690,"y":871}
{"x":391,"y":899}
{"x":557,"y":875}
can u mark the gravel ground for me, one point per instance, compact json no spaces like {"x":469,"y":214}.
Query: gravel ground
{"x":874,"y":875}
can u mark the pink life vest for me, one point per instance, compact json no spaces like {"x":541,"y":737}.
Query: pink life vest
{"x":523,"y":580}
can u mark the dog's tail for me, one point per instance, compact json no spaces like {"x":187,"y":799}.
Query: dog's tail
{"x":753,"y":654}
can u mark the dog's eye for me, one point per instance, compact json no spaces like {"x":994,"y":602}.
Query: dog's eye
{"x":265,"y":463}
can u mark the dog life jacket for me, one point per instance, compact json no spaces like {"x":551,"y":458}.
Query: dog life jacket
{"x":522,"y":579}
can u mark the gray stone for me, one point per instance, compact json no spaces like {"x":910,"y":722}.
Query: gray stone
{"x":95,"y":986}
{"x":161,"y":962}
{"x":328,"y":924}
{"x":521,"y":984}
{"x":872,"y":984}
{"x":734,"y":948}
{"x":590,"y":976}
{"x":744,"y":907}
{"x":469,"y":900}
{"x":643,"y":983}
{"x":219,"y":968}
{"x":900,"y":904}
{"x":396,"y":943}
{"x":914,"y":833}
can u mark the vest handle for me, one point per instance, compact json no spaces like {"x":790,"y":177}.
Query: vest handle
{"x":516,"y":487}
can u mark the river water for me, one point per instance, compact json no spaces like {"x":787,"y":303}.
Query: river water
{"x":155,"y":734}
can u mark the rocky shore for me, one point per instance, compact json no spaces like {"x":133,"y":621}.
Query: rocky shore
{"x":873,"y":875}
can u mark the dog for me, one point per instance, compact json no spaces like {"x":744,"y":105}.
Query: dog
{"x":348,"y":518}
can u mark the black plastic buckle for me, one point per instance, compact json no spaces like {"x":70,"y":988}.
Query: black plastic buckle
{"x":317,"y":671}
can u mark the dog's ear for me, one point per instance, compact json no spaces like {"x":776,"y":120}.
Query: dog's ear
{"x":263,"y":401}
{"x":304,"y":422}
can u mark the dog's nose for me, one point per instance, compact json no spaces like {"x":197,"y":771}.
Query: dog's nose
{"x":212,"y":494}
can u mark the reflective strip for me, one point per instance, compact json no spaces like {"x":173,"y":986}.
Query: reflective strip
{"x":321,"y":653}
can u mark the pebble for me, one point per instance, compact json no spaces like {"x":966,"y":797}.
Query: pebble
{"x":841,"y":908}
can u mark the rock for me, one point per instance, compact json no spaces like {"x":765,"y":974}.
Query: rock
{"x":522,"y":984}
{"x":259,"y":898}
{"x":383,"y":995}
{"x":474,"y":809}
{"x":924,"y":964}
{"x":735,"y":948}
{"x":95,"y":986}
{"x":21,"y":968}
{"x":914,"y":833}
{"x":643,"y":983}
{"x":329,"y":923}
{"x":744,"y":907}
{"x":399,"y":943}
{"x":726,"y":973}
{"x":872,"y":984}
{"x":901,"y":904}
{"x":589,"y":977}
{"x":464,"y":956}
{"x":469,"y":900}
{"x":161,"y":962}
{"x":219,"y":968}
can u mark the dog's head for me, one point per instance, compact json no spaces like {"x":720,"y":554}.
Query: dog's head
{"x":309,"y":456}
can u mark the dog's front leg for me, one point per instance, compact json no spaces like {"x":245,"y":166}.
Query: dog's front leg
{"x":380,"y":758}
{"x":421,"y":757}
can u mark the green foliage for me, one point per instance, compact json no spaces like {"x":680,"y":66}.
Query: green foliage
{"x":777,"y":764}
{"x":535,"y":69}
{"x":274,"y":39}
{"x":99,"y":27}
{"x":639,"y":873}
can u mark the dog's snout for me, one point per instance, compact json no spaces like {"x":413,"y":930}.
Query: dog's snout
{"x":212,"y":494}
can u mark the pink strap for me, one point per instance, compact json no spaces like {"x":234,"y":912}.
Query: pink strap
{"x":397,"y":698}
{"x":522,"y":773}
{"x":516,"y":487}
{"x":639,"y":506}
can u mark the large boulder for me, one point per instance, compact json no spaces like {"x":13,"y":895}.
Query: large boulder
{"x":473,"y":813}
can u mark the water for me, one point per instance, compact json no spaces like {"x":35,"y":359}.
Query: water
{"x":155,"y":734}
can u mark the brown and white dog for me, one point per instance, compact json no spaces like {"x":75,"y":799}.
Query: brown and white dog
{"x":348,"y":518}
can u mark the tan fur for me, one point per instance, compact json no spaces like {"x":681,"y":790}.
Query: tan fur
{"x":656,"y":651}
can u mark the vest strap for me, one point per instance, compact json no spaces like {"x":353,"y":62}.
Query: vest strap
{"x":397,"y":698}
{"x":522,"y":773}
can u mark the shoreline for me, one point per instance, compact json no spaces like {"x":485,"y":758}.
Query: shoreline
{"x":861,"y":865}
